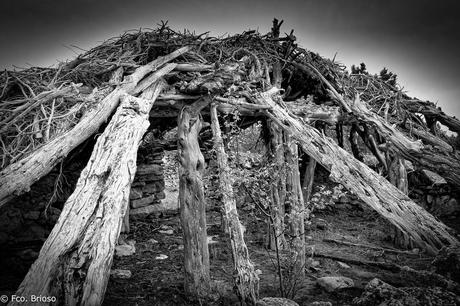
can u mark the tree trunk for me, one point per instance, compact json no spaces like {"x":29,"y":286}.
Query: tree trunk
{"x":192,"y":203}
{"x":295,"y":211}
{"x":18,"y":177}
{"x":75,"y":260}
{"x":278,"y":188}
{"x":246,"y":280}
{"x":422,"y":228}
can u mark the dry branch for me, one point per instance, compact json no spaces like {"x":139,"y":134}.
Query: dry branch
{"x":75,"y":260}
{"x":18,"y":177}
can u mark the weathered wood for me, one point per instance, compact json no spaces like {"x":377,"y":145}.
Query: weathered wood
{"x":295,"y":208}
{"x":18,"y":177}
{"x":74,"y":263}
{"x":430,"y":110}
{"x":422,"y":228}
{"x":276,"y":237}
{"x":308,"y":179}
{"x":245,"y":278}
{"x":192,"y":202}
{"x":397,"y":174}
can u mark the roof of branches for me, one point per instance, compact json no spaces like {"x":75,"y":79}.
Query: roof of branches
{"x":38,"y":103}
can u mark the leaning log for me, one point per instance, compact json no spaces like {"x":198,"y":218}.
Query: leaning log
{"x":416,"y":223}
{"x":75,"y":261}
{"x":192,"y":203}
{"x":245,"y":278}
{"x":17,"y":178}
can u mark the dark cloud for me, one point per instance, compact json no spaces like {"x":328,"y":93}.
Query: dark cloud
{"x":419,"y":40}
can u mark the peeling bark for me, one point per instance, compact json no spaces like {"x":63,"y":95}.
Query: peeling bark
{"x":75,"y":260}
{"x":246,"y":280}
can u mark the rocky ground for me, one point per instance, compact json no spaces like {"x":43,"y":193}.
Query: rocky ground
{"x":351,"y":260}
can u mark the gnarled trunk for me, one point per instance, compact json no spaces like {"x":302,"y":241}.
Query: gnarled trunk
{"x":192,"y":203}
{"x":75,"y":260}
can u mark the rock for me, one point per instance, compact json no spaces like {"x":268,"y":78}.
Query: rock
{"x":321,"y":224}
{"x":275,"y":301}
{"x":161,"y":257}
{"x":167,"y":232}
{"x":124,"y":250}
{"x":378,"y":292}
{"x":154,"y":187}
{"x":120,"y":274}
{"x":149,"y":169}
{"x":137,"y":184}
{"x":143,"y":202}
{"x":446,"y":207}
{"x":310,"y":262}
{"x":320,"y":303}
{"x":160,"y":195}
{"x":433,"y":178}
{"x":343,"y":265}
{"x":135,"y":194}
{"x":334,"y":283}
{"x":145,"y":211}
{"x":32,"y":215}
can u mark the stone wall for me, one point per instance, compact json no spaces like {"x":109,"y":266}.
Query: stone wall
{"x":148,"y":188}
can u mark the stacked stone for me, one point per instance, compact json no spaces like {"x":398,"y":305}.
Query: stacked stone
{"x":433,"y":193}
{"x":147,"y":190}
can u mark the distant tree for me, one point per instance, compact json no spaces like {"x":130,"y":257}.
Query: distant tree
{"x":388,"y":76}
{"x":362,"y":69}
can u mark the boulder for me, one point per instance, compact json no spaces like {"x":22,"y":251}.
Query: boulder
{"x":135,"y":194}
{"x":143,"y":202}
{"x":120,"y":274}
{"x":334,"y":283}
{"x":125,"y":250}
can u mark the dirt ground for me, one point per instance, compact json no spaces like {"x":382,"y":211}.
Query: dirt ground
{"x":160,"y":281}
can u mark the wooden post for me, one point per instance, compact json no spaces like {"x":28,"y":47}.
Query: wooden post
{"x":278,"y":188}
{"x":75,"y":261}
{"x":295,"y":211}
{"x":192,"y":203}
{"x":308,"y":179}
{"x":417,"y":224}
{"x":246,"y":280}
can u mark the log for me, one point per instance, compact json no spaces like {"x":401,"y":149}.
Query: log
{"x":245,"y":278}
{"x":447,"y":165}
{"x":421,"y":227}
{"x":430,"y":110}
{"x":18,"y":177}
{"x":74,"y":263}
{"x":192,"y":202}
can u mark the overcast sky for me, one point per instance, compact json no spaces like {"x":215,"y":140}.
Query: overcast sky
{"x":418,"y":40}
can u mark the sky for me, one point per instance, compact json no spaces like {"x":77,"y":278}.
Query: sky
{"x":418,"y":40}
